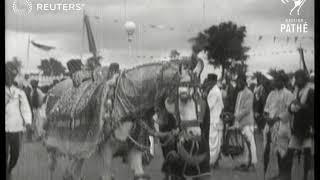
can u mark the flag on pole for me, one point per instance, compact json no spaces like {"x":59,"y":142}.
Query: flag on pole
{"x":28,"y":52}
{"x":300,"y":50}
{"x":91,"y":42}
{"x":42,"y":46}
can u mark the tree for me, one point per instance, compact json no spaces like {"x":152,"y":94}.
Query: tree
{"x":51,"y":67}
{"x":16,"y":63}
{"x":237,"y":68}
{"x":276,"y":73}
{"x":223,"y":44}
{"x":273,"y":72}
{"x":174,"y":54}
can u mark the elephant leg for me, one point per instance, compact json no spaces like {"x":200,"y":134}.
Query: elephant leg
{"x":106,"y":156}
{"x":52,"y":164}
{"x":67,"y":175}
{"x":73,"y":169}
{"x":76,"y":168}
{"x":135,"y":161}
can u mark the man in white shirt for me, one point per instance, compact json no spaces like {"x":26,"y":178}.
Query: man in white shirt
{"x":276,"y":134}
{"x":244,"y":120}
{"x":215,"y":104}
{"x":18,"y":116}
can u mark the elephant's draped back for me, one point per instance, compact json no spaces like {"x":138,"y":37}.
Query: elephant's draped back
{"x":135,"y":92}
{"x":75,"y":116}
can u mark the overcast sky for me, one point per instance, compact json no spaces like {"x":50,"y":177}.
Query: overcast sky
{"x":181,"y":20}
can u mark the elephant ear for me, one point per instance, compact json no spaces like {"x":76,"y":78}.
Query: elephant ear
{"x":199,"y":67}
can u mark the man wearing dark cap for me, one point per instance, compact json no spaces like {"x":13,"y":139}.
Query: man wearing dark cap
{"x":302,"y":126}
{"x":276,"y":133}
{"x":244,"y":119}
{"x":37,"y":99}
{"x":215,"y":104}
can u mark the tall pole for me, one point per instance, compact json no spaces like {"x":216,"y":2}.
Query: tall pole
{"x":129,"y":49}
{"x":82,"y":38}
{"x":125,"y":10}
{"x":28,"y":53}
{"x":204,"y":13}
{"x":140,"y":39}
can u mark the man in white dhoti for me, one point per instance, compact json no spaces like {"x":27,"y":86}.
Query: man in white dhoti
{"x":277,"y":133}
{"x":244,"y":119}
{"x":215,"y":104}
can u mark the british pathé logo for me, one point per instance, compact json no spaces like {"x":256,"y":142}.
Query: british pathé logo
{"x":294,"y":24}
{"x":22,"y":7}
{"x":296,"y":5}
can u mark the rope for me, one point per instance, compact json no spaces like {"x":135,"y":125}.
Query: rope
{"x":138,"y":144}
{"x":154,"y":133}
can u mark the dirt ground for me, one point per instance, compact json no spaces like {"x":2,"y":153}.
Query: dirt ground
{"x":32,"y":165}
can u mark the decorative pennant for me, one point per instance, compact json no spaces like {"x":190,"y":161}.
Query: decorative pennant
{"x":42,"y":46}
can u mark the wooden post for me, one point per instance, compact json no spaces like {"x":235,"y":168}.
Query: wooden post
{"x":28,"y":53}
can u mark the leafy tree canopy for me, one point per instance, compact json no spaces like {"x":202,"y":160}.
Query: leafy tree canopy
{"x":51,"y":67}
{"x":174,"y":54}
{"x":15,"y":62}
{"x":223,"y":44}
